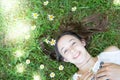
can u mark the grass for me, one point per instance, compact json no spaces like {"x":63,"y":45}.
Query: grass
{"x":31,"y":47}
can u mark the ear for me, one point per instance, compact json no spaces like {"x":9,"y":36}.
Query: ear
{"x":83,"y":42}
{"x":65,"y":60}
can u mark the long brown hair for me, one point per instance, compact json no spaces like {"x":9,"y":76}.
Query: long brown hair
{"x":85,"y":29}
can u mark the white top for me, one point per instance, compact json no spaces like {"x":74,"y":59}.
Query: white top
{"x":106,"y":57}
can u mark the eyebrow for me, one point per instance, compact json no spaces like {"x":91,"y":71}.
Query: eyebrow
{"x":62,"y":49}
{"x":69,"y":41}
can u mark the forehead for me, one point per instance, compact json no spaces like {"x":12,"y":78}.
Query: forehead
{"x":66,"y":39}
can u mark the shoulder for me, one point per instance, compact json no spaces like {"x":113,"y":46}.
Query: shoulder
{"x":77,"y":76}
{"x":110,"y":55}
{"x":111,"y":48}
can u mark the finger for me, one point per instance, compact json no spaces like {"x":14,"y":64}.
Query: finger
{"x":103,"y":69}
{"x":106,"y":64}
{"x":101,"y":73}
{"x":103,"y":78}
{"x":99,"y":76}
{"x":92,"y":77}
{"x":85,"y":77}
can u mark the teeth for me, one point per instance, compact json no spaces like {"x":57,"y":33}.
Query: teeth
{"x":76,"y":55}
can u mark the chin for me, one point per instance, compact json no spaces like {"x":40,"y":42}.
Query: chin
{"x":82,"y":60}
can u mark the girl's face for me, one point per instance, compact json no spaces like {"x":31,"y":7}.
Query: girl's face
{"x":72,"y":49}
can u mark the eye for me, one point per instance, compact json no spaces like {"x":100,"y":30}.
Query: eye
{"x":73,"y":43}
{"x":65,"y":51}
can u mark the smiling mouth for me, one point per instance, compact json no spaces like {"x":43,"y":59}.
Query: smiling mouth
{"x":76,"y":55}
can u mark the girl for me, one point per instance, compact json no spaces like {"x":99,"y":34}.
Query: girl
{"x":71,"y":47}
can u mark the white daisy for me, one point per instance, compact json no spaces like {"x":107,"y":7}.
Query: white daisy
{"x":61,"y":67}
{"x":36,"y":77}
{"x":20,"y":68}
{"x":33,"y":27}
{"x":51,"y":17}
{"x":45,"y":3}
{"x":52,"y":74}
{"x":116,"y":2}
{"x":27,"y":61}
{"x":52,"y":42}
{"x":35,"y":15}
{"x":27,"y":36}
{"x":47,"y":41}
{"x":73,"y":8}
{"x":41,"y":66}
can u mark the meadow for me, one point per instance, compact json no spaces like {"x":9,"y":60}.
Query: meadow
{"x":26,"y":23}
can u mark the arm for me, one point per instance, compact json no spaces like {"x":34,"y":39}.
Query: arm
{"x":109,"y":71}
{"x":111,"y":48}
{"x":85,"y":76}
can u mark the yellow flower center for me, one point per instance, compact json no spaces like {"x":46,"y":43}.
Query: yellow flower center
{"x":51,"y":17}
{"x":35,"y":15}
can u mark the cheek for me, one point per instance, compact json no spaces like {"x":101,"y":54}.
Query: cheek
{"x":68,"y":57}
{"x":82,"y":50}
{"x":79,"y":48}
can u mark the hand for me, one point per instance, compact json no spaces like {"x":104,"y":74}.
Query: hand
{"x":87,"y":76}
{"x":109,"y":71}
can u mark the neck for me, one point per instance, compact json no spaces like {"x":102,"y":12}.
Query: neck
{"x":87,"y":65}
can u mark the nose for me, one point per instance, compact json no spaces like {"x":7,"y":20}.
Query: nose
{"x":72,"y":51}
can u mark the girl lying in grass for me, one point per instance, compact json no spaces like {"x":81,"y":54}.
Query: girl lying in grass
{"x":71,"y":47}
